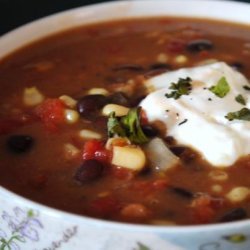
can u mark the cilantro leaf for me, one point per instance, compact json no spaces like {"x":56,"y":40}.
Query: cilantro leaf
{"x":114,"y":126}
{"x":246,"y":87}
{"x":127,"y":126}
{"x":182,"y":87}
{"x":131,"y":123}
{"x":243,"y":114}
{"x":221,"y":88}
{"x":240,"y":99}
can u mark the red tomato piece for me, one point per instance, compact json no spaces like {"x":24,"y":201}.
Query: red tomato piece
{"x":176,"y":46}
{"x":123,"y":173}
{"x":143,"y":117}
{"x":143,"y":187}
{"x":6,"y":126}
{"x":51,"y":112}
{"x":160,"y":184}
{"x":203,"y":209}
{"x":94,"y":149}
{"x":105,"y":206}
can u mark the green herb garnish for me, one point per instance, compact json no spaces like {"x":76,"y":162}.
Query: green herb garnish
{"x":246,"y":87}
{"x":184,"y":121}
{"x":114,"y":126}
{"x":236,"y":238}
{"x":221,"y":88}
{"x":240,"y":99}
{"x":127,"y":126}
{"x":243,"y":114}
{"x":182,"y":87}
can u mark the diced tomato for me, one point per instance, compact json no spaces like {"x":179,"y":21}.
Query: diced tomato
{"x":160,"y":184}
{"x":123,"y":173}
{"x":143,"y":187}
{"x":176,"y":46}
{"x":6,"y":126}
{"x":143,"y":117}
{"x":94,"y":149}
{"x":204,"y":54}
{"x":202,"y":209}
{"x":51,"y":112}
{"x":105,"y":206}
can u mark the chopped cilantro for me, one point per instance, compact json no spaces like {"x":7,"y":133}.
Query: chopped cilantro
{"x":182,"y":87}
{"x":246,"y":87}
{"x":240,"y":99}
{"x":236,"y":238}
{"x":184,"y":121}
{"x":221,"y":88}
{"x":114,"y":126}
{"x":127,"y":126}
{"x":243,"y":114}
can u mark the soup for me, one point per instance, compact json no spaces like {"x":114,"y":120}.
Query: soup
{"x":77,"y":135}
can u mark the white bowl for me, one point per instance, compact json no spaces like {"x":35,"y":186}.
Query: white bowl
{"x":27,"y":225}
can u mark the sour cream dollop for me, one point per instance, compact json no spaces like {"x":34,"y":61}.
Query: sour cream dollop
{"x":198,"y":119}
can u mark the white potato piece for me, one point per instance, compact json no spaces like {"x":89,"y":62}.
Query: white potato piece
{"x":129,"y":157}
{"x":159,"y":156}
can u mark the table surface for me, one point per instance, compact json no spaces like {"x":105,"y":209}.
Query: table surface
{"x":14,"y":13}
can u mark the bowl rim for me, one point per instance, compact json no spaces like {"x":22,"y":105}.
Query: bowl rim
{"x":79,"y":219}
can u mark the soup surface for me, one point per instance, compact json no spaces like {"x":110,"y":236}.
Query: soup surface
{"x":65,"y":146}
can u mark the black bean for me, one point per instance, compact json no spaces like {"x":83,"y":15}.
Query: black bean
{"x":90,"y":170}
{"x":115,"y":79}
{"x":234,"y":215}
{"x":177,"y":150}
{"x":90,"y":104}
{"x":149,"y":131}
{"x":156,"y":69}
{"x":20,"y":143}
{"x":188,"y":155}
{"x":170,"y":140}
{"x":160,"y":66}
{"x":130,"y":67}
{"x":120,"y":99}
{"x":199,"y":45}
{"x":136,"y":101}
{"x":237,"y":66}
{"x":184,"y":193}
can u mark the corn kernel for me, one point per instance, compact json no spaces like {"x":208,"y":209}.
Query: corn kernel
{"x":118,"y":109}
{"x":71,"y":116}
{"x":238,"y":194}
{"x":98,"y":91}
{"x":162,"y":58}
{"x":218,"y":175}
{"x":68,"y":101}
{"x":89,"y":134}
{"x":216,"y":188}
{"x":71,"y":151}
{"x":181,"y":59}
